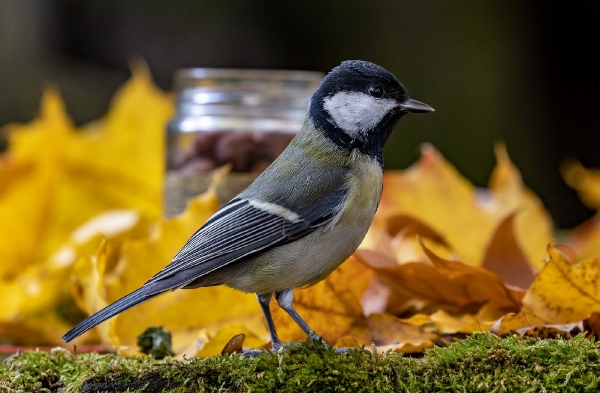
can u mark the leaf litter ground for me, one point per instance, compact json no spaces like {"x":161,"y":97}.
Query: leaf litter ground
{"x":481,"y":362}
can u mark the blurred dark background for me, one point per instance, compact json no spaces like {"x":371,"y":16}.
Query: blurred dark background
{"x":526,"y":73}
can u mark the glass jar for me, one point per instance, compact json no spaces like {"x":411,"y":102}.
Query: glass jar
{"x":241,"y":117}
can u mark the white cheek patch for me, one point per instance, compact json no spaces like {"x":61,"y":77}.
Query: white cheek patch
{"x":357,"y":113}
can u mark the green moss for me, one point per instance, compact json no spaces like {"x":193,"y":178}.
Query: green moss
{"x":155,"y":341}
{"x":482,"y":362}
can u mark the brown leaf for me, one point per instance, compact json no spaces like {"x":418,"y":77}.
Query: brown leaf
{"x":388,"y":332}
{"x":505,"y":258}
{"x":234,"y":345}
{"x":452,"y":285}
{"x":462,"y":323}
{"x":592,"y":325}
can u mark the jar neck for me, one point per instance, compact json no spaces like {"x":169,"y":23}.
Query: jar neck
{"x":230,"y":99}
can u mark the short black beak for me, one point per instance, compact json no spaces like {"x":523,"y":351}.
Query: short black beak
{"x":414,"y":106}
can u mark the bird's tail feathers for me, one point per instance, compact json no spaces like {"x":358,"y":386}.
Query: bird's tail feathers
{"x":125,"y":303}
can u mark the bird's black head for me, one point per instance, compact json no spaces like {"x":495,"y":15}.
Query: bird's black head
{"x":358,"y":105}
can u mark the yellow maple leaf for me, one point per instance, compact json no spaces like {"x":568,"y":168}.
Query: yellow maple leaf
{"x":55,"y":177}
{"x":37,"y":306}
{"x":566,"y":290}
{"x":432,"y":199}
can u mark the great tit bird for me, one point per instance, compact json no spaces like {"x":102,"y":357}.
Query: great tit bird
{"x":306,"y":213}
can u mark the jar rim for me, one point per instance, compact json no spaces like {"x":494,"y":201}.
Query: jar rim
{"x":199,"y":73}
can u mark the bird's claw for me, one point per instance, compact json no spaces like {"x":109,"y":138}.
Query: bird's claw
{"x":253,"y":353}
{"x":282,"y":347}
{"x":316,"y":337}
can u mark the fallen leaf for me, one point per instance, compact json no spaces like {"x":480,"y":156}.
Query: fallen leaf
{"x":234,"y":345}
{"x":505,"y":258}
{"x":565,"y":291}
{"x":55,"y":177}
{"x":37,"y":306}
{"x":388,"y":332}
{"x":585,"y":239}
{"x":592,"y":325}
{"x":532,"y":224}
{"x":432,"y":198}
{"x":462,"y":323}
{"x":451,"y":285}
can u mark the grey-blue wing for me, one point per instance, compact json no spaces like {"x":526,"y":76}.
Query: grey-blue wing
{"x":240,"y":229}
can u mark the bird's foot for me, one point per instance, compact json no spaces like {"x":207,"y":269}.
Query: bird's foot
{"x":254,"y":353}
{"x":282,"y":347}
{"x":315,"y":337}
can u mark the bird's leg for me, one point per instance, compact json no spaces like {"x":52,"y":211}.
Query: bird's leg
{"x":265,"y":301}
{"x":285,"y":298}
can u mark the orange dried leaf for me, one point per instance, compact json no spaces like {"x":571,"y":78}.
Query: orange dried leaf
{"x":388,"y":332}
{"x":463,"y":323}
{"x":433,"y":193}
{"x":505,"y":258}
{"x":532,"y":224}
{"x":451,"y":285}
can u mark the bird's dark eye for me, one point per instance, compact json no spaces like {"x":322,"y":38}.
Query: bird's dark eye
{"x":376,"y":91}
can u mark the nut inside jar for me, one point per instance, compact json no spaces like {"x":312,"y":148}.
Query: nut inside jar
{"x":246,"y":151}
